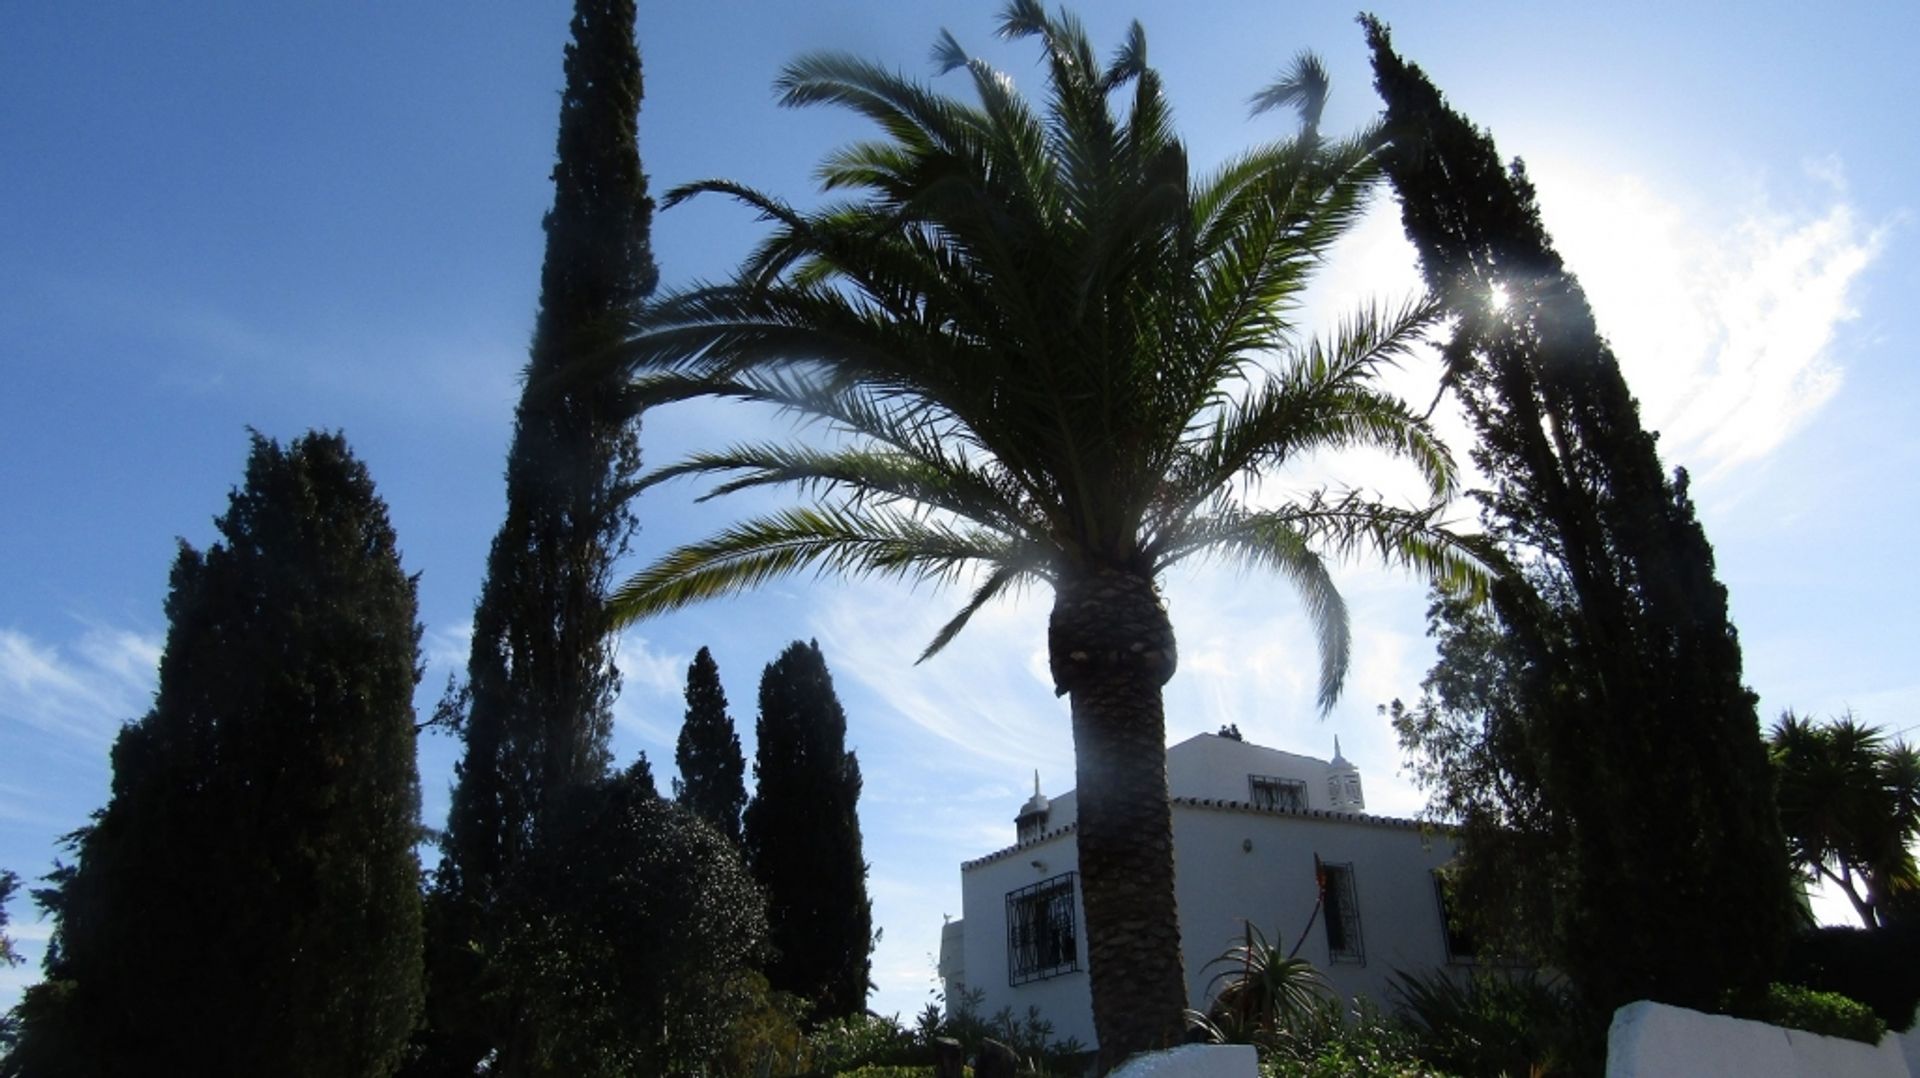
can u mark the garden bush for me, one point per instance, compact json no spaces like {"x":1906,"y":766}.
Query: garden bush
{"x":1878,"y":967}
{"x":1333,"y":1041}
{"x":1829,"y":1014}
{"x":1493,"y":1023}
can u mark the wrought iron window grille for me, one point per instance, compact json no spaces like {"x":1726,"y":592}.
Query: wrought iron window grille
{"x":1341,"y":914}
{"x":1272,"y":792}
{"x":1041,"y":937}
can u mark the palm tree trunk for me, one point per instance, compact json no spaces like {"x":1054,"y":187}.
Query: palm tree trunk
{"x":1111,"y":649}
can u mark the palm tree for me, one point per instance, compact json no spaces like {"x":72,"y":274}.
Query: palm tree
{"x":1046,"y":354}
{"x":1850,"y":806}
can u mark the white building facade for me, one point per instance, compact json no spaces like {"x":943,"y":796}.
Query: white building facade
{"x":1250,"y":824}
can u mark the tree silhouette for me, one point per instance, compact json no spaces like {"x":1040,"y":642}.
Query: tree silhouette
{"x":1648,"y":748}
{"x":248,"y":900}
{"x":712,"y":780}
{"x":535,"y":709}
{"x":802,"y":834}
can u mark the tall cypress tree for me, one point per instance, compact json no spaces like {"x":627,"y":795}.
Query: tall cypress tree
{"x":802,"y":835}
{"x":712,"y":780}
{"x":248,"y":900}
{"x":1648,"y":745}
{"x":536,"y":707}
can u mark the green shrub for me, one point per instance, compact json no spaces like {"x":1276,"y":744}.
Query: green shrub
{"x":1878,"y":967}
{"x":1331,"y":1041}
{"x":1030,"y":1036}
{"x":863,"y":1041}
{"x":1496,"y":1023}
{"x":1347,"y":1060}
{"x":1829,"y":1014}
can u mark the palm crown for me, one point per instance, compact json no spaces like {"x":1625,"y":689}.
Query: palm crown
{"x":1046,"y":353}
{"x":1032,"y":329}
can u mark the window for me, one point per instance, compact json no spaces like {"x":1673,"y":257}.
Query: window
{"x":1040,"y":938}
{"x":1340,"y":909}
{"x":1268,"y":792}
{"x":1461,"y":944}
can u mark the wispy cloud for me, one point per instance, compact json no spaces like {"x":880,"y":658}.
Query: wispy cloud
{"x":81,"y":691}
{"x":1724,"y":321}
{"x":1724,"y":317}
{"x":986,"y":699}
{"x":446,"y":649}
{"x":645,"y":668}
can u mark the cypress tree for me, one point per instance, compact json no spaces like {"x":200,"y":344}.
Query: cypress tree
{"x":712,"y":780}
{"x":802,"y":835}
{"x":1649,"y":752}
{"x":535,"y":710}
{"x":248,"y":900}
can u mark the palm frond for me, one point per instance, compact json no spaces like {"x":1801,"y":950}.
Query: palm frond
{"x":1295,"y":539}
{"x":851,"y":541}
{"x":1002,"y":578}
{"x":1304,"y":86}
{"x":1037,"y":340}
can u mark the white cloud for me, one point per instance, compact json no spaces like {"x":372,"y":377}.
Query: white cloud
{"x":1723,"y":316}
{"x":660,"y":673}
{"x":986,"y":697}
{"x":1723,"y":319}
{"x":84,"y":691}
{"x":447,"y":649}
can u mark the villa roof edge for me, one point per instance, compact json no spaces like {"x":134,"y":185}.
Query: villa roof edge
{"x":1217,"y":804}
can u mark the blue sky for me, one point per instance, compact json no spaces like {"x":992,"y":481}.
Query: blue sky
{"x":328,"y":216}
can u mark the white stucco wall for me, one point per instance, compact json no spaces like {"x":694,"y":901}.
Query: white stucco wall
{"x":1653,"y":1040}
{"x":1064,"y":1000}
{"x":1210,"y":767}
{"x":1220,"y":882}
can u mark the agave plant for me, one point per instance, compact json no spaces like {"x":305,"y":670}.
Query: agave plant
{"x":1259,"y":991}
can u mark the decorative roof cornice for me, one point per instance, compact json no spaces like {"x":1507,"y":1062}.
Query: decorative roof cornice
{"x":1218,"y":804}
{"x":1009,"y":851}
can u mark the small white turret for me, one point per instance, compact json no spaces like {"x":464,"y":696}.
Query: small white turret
{"x":1343,"y":783}
{"x":1032,"y":821}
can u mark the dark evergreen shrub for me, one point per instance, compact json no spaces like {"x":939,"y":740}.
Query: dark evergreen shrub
{"x":1829,"y":1014}
{"x":1501,"y":1023}
{"x":1878,"y":967}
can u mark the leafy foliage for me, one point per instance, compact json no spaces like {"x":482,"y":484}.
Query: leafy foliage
{"x":637,"y":966}
{"x":1334,"y":1041}
{"x":1028,"y":1035}
{"x":1879,"y":967}
{"x":1046,"y":353}
{"x":9,"y":883}
{"x":248,"y":900}
{"x":1850,"y":805}
{"x":534,"y":711}
{"x":1471,"y":743}
{"x":1829,"y":1014}
{"x":1514,"y":1023}
{"x":712,"y":770}
{"x":803,"y":837}
{"x":860,"y":1041}
{"x":9,"y":956}
{"x":1644,"y":745}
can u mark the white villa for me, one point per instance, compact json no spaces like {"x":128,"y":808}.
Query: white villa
{"x":1248,"y":825}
